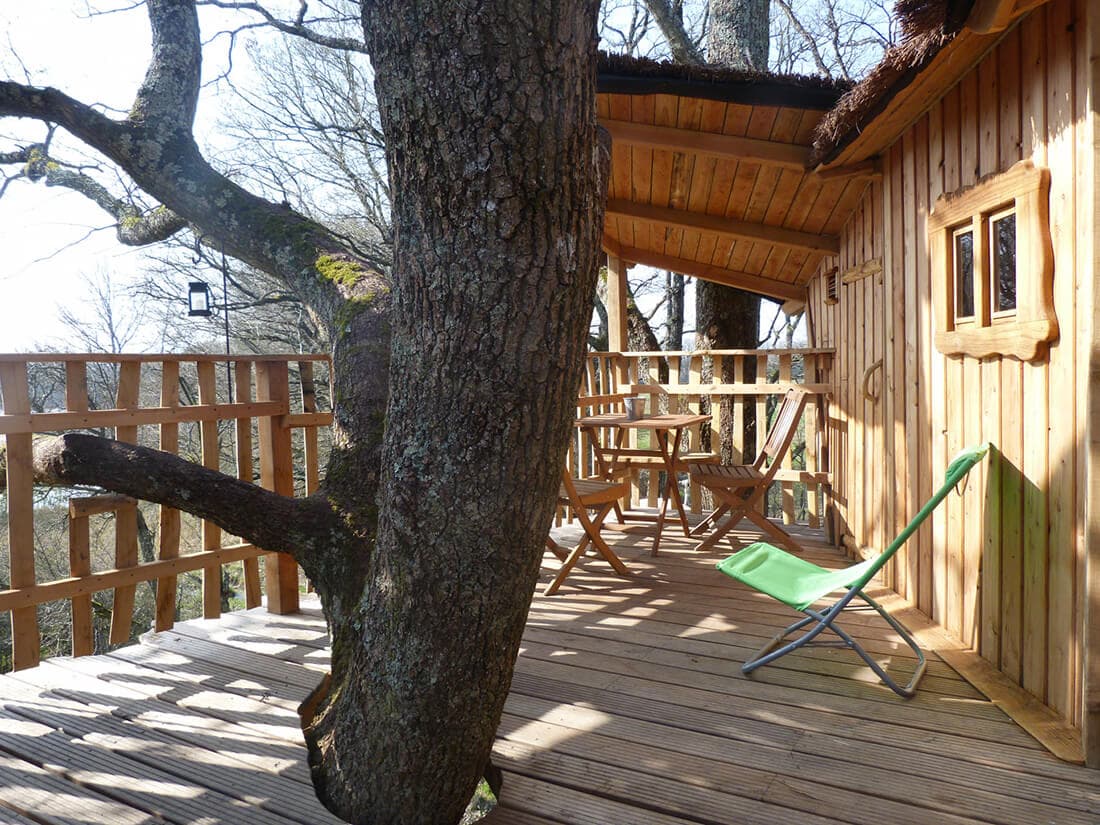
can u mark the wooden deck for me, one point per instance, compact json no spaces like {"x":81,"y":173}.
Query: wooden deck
{"x":628,"y":707}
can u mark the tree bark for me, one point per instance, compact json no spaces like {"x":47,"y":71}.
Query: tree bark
{"x":738,"y":35}
{"x":489,"y":115}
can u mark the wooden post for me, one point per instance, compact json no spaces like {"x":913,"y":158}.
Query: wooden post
{"x":787,"y":487}
{"x":20,"y":492}
{"x":243,"y":376}
{"x":80,"y":565}
{"x":309,"y":434}
{"x":277,"y":473}
{"x":76,"y":400}
{"x":211,"y":459}
{"x":169,"y":532}
{"x":616,"y":306}
{"x":126,"y":543}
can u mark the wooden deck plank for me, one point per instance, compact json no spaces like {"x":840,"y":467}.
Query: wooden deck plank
{"x":627,"y":705}
{"x":143,"y":787}
{"x":31,"y":791}
{"x":584,"y":730}
{"x":270,"y":754}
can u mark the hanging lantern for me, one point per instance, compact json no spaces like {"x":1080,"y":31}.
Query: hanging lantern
{"x":198,"y":298}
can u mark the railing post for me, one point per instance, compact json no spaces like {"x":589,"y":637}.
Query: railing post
{"x":243,"y":375}
{"x":211,"y":459}
{"x":126,"y":539}
{"x":26,"y":644}
{"x":277,"y":473}
{"x":169,"y":532}
{"x":80,"y":564}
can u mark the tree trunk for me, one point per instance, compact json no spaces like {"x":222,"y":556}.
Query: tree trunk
{"x":674,"y":318}
{"x":727,"y":318}
{"x":490,"y":123}
{"x":738,"y":35}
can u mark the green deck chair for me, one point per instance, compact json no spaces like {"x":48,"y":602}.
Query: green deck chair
{"x":799,"y":583}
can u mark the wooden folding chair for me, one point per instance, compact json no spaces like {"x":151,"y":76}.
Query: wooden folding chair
{"x":581,"y":495}
{"x":739,"y":488}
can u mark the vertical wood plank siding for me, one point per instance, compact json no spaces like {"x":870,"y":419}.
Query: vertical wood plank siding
{"x":1000,"y":567}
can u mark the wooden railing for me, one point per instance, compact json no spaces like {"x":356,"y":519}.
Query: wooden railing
{"x":51,"y":393}
{"x":738,"y":389}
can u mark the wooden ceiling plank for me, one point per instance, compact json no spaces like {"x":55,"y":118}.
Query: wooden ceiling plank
{"x":742,"y":280}
{"x":731,"y":147}
{"x":724,"y":226}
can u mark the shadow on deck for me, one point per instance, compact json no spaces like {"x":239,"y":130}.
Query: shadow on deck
{"x":628,"y":707}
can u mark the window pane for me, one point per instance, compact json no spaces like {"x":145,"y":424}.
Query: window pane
{"x":1004,"y":263}
{"x":964,"y":274}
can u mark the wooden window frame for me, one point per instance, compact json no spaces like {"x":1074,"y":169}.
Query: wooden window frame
{"x":1026,"y":332}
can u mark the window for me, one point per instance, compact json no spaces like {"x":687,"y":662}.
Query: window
{"x":964,"y":274}
{"x":1002,"y":262}
{"x":993,"y":267}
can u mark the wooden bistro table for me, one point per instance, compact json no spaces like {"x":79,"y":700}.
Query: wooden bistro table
{"x":612,"y":459}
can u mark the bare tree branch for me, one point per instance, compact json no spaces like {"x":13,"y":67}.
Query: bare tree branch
{"x":297,"y":28}
{"x":136,"y":227}
{"x":810,"y":41}
{"x":684,"y":49}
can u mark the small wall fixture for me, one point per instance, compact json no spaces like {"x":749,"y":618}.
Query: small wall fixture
{"x":198,"y":298}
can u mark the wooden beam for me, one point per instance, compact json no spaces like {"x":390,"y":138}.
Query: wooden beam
{"x":616,"y":304}
{"x":21,"y":598}
{"x":728,"y":227}
{"x":780,"y":290}
{"x":726,"y":147}
{"x":989,"y":16}
{"x":871,"y":169}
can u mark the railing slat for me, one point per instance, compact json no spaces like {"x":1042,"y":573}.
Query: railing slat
{"x":211,"y":459}
{"x":277,"y":473}
{"x":168,"y":518}
{"x":243,"y":380}
{"x":20,"y":494}
{"x":126,"y":538}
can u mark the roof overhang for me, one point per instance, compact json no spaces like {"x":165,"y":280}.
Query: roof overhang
{"x":709,"y":178}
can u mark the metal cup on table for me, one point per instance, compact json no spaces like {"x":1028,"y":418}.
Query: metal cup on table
{"x":634,"y":406}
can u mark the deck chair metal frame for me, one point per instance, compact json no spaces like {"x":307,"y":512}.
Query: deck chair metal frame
{"x":739,"y":488}
{"x":580,"y":495}
{"x":799,"y":583}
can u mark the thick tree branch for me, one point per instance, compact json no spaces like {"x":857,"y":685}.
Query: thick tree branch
{"x":684,"y":50}
{"x":169,"y":94}
{"x":305,"y":528}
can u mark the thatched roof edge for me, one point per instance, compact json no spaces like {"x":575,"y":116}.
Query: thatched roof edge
{"x":927,"y":26}
{"x":621,"y":74}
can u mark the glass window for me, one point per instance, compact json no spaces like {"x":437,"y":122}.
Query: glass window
{"x":1002,"y":244}
{"x":964,"y":274}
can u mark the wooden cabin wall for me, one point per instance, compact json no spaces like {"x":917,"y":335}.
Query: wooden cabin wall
{"x":1001,"y":567}
{"x":855,"y":328}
